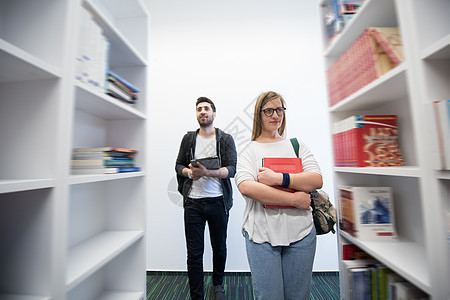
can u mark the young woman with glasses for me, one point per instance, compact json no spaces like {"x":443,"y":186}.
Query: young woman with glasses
{"x":280,"y":243}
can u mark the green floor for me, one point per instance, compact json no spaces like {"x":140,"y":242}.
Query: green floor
{"x":174,"y":285}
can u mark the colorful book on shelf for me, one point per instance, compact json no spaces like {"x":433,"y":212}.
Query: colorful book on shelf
{"x":381,"y":273}
{"x":115,"y":77}
{"x":360,"y":283}
{"x":331,"y":19}
{"x":346,"y":274}
{"x":106,"y":170}
{"x":104,"y":149}
{"x":291,"y":165}
{"x":121,"y":86}
{"x":114,"y":91}
{"x":364,"y":279}
{"x":100,"y":162}
{"x":367,"y":212}
{"x":351,"y":251}
{"x":367,"y":141}
{"x":102,"y":154}
{"x":442,"y":120}
{"x":350,"y":6}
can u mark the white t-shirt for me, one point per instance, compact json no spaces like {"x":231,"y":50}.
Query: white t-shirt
{"x":279,"y":227}
{"x":205,"y":187}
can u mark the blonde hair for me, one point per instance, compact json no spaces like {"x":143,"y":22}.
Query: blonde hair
{"x":260,"y":102}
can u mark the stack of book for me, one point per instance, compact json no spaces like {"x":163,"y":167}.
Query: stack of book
{"x":442,"y":118}
{"x":338,"y":14}
{"x":92,"y":66}
{"x":92,"y":53}
{"x":366,"y":141}
{"x":103,"y":160}
{"x":369,"y":279}
{"x":367,"y":213}
{"x":348,"y":9}
{"x":121,"y":89}
{"x":376,"y":51}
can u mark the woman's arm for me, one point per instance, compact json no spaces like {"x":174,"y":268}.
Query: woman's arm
{"x":268,"y":195}
{"x":305,"y":181}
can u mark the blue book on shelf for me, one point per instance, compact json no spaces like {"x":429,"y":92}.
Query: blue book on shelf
{"x":128,"y":169}
{"x":361,"y":285}
{"x":123,"y":81}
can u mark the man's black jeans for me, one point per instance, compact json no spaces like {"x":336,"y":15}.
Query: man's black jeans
{"x":196,"y":213}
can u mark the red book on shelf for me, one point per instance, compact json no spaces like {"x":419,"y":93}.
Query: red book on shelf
{"x":290,"y":165}
{"x":376,"y":141}
{"x":376,"y":51}
{"x":367,"y":141}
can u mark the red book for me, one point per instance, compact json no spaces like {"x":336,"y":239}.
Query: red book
{"x":290,"y":165}
{"x":367,"y":141}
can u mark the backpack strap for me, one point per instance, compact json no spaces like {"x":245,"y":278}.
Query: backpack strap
{"x":295,"y":144}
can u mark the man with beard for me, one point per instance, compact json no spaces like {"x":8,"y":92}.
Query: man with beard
{"x":207,"y":195}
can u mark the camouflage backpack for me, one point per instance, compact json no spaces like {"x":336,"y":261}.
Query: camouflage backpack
{"x":324,"y":214}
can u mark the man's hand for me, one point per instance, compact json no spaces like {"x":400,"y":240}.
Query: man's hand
{"x":198,"y":172}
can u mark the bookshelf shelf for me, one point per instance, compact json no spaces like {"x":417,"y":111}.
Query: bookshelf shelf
{"x":70,"y":237}
{"x":124,"y":52}
{"x":438,"y":50}
{"x":405,"y":256}
{"x":384,"y":171}
{"x":120,"y":296}
{"x":10,"y":185}
{"x":80,"y":179}
{"x":19,"y":65}
{"x":91,"y":101}
{"x":368,"y":16}
{"x":385,"y":89}
{"x":420,"y":192}
{"x":91,"y":255}
{"x":22,"y":297}
{"x":445,"y":175}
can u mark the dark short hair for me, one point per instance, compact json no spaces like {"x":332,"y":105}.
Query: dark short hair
{"x":204,"y":99}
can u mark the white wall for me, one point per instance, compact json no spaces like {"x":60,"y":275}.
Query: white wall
{"x":229,"y":51}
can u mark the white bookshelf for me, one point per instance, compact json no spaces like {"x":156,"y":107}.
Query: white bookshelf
{"x":421,"y":193}
{"x":69,"y":236}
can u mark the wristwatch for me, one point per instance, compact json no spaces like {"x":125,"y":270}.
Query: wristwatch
{"x":189,"y":174}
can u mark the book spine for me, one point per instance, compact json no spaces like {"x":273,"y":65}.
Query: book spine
{"x":83,"y":56}
{"x":128,"y":169}
{"x":439,"y":133}
{"x":444,"y":110}
{"x":114,"y":163}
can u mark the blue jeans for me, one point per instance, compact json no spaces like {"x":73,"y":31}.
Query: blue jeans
{"x":196,"y":213}
{"x":282,"y":272}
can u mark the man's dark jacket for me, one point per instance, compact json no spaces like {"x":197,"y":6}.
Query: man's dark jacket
{"x":226,"y":150}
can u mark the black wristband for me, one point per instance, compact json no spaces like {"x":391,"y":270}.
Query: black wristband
{"x":286,"y":180}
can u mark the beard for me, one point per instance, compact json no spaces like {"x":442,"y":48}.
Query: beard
{"x":205,"y":123}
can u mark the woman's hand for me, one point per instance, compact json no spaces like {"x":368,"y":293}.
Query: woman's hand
{"x":269,"y":177}
{"x":301,"y":200}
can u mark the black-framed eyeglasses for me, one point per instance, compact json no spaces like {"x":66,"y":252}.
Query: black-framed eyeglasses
{"x":269,"y":111}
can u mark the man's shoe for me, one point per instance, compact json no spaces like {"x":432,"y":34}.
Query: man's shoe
{"x":219,"y":292}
